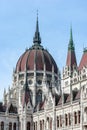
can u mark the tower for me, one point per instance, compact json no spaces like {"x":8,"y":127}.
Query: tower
{"x":71,"y":65}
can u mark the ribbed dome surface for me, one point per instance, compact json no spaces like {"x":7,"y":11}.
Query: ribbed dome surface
{"x":37,"y":56}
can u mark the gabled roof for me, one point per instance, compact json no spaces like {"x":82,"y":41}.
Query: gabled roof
{"x":2,"y":107}
{"x":77,"y":95}
{"x":59,"y":100}
{"x":41,"y":105}
{"x":83,"y":61}
{"x":68,"y":98}
{"x":65,"y":97}
{"x":12,"y":109}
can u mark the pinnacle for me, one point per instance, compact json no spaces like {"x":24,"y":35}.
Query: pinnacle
{"x":37,"y":39}
{"x":71,"y":44}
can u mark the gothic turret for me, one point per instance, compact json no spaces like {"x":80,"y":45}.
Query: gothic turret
{"x":71,"y":57}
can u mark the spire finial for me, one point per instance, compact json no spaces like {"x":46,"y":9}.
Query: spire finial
{"x":71,"y":37}
{"x":71,"y":45}
{"x":37,"y":39}
{"x":37,"y":13}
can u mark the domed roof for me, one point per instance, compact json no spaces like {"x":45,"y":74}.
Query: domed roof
{"x":36,"y":56}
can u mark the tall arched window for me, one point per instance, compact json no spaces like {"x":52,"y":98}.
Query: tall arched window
{"x":69,"y":118}
{"x":10,"y":126}
{"x":31,"y":95}
{"x":85,"y":114}
{"x":57,"y":121}
{"x":28,"y":125}
{"x":14,"y":126}
{"x":40,"y":125}
{"x":34,"y":125}
{"x":2,"y":125}
{"x":66,"y":120}
{"x":39,"y":96}
{"x":51,"y":124}
{"x":75,"y":117}
{"x":60,"y":120}
{"x":78,"y":116}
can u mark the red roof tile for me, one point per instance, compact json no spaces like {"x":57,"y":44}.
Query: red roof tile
{"x":38,"y":57}
{"x":83,"y":61}
{"x":71,"y":58}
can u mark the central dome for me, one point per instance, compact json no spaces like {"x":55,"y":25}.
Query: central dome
{"x":36,"y":70}
{"x":36,"y":56}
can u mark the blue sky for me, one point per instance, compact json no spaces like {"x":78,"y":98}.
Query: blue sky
{"x":17,"y":27}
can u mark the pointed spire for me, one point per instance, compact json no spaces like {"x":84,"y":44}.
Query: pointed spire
{"x":37,"y":39}
{"x":71,"y":44}
{"x":71,"y":57}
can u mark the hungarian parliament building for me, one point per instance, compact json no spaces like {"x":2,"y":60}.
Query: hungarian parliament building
{"x":42,"y":98}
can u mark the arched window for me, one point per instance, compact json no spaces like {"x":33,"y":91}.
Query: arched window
{"x":85,"y":114}
{"x":28,"y":125}
{"x":75,"y":117}
{"x":39,"y":96}
{"x":40,"y":125}
{"x":14,"y":126}
{"x":31,"y":95}
{"x":66,"y":120}
{"x":60,"y":121}
{"x":10,"y":126}
{"x":78,"y":116}
{"x":43,"y":124}
{"x":69,"y":119}
{"x":34,"y":125}
{"x":47,"y":122}
{"x":57,"y":121}
{"x":51,"y":124}
{"x":2,"y":125}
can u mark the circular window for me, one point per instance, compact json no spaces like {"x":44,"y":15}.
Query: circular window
{"x":30,"y":82}
{"x":39,"y":82}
